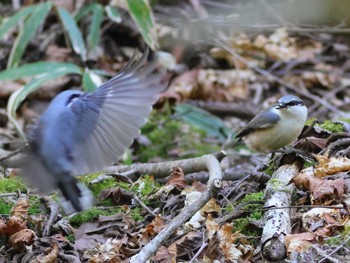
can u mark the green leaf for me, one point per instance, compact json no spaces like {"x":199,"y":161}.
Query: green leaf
{"x":83,"y":11}
{"x":12,"y":21}
{"x":32,"y":69}
{"x":27,"y":32}
{"x":74,"y":33}
{"x":141,"y":13}
{"x":18,"y":96}
{"x":95,"y":27}
{"x":102,"y":72}
{"x":113,"y":14}
{"x":91,"y":80}
{"x":203,"y":120}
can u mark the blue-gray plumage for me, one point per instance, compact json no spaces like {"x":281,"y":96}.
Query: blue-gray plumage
{"x":85,"y":132}
{"x":276,"y":126}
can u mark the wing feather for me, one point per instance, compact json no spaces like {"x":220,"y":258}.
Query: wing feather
{"x":262,"y":120}
{"x":114,"y":114}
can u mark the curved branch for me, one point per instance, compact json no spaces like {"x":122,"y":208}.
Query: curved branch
{"x":210,"y":162}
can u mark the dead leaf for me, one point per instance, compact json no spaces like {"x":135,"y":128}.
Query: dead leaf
{"x":152,"y":230}
{"x":50,"y":255}
{"x":323,"y":191}
{"x":329,"y":166}
{"x":177,"y":178}
{"x":22,"y":238}
{"x":187,"y":245}
{"x":326,"y":191}
{"x":117,"y":195}
{"x":163,"y":256}
{"x":211,"y":207}
{"x":21,"y":208}
{"x":109,"y":251}
{"x":17,"y":221}
{"x":299,"y":242}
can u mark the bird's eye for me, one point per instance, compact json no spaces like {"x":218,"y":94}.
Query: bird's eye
{"x":72,"y":98}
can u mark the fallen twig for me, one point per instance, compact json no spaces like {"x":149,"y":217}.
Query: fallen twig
{"x":211,"y":162}
{"x":162,"y":170}
{"x":278,"y":193}
{"x":54,"y":209}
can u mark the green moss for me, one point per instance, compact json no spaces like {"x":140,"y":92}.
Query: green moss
{"x":161,"y":131}
{"x":136,"y":214}
{"x":146,"y":186}
{"x":229,"y":208}
{"x":309,"y":164}
{"x":99,"y":187}
{"x":167,"y":134}
{"x":334,"y":241}
{"x":310,"y":121}
{"x":12,"y":184}
{"x":240,"y":224}
{"x":87,"y":216}
{"x":258,"y":196}
{"x":5,"y":208}
{"x":332,"y":127}
{"x":275,"y":182}
{"x":71,"y":238}
{"x":34,"y":205}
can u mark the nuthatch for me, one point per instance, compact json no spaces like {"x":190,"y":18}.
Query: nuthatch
{"x":276,"y":126}
{"x":82,"y":133}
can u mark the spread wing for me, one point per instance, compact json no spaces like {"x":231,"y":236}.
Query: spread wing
{"x":262,"y":120}
{"x":110,"y":118}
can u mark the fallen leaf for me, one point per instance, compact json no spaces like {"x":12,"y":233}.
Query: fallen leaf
{"x":152,"y":230}
{"x":177,"y":178}
{"x":163,"y":256}
{"x":117,"y":195}
{"x":329,"y":166}
{"x":299,"y":242}
{"x":22,"y":238}
{"x":49,"y":256}
{"x":187,"y":245}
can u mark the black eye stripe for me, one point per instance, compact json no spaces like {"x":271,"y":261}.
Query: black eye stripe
{"x":294,"y":103}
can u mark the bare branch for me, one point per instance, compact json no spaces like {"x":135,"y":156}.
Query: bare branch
{"x":210,"y":162}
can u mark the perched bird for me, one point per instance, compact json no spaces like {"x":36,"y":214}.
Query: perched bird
{"x":275,"y":127}
{"x":81,"y":132}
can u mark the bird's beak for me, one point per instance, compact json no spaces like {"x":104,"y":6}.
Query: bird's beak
{"x":280,"y":106}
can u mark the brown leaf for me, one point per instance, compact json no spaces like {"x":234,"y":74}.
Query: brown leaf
{"x":21,"y":208}
{"x":299,"y":242}
{"x":12,"y":225}
{"x":211,"y":226}
{"x":177,"y":178}
{"x":329,"y":166}
{"x":17,"y":220}
{"x":109,"y":251}
{"x":211,"y":207}
{"x":327,"y":191}
{"x":50,"y":255}
{"x":22,"y":238}
{"x":117,"y":195}
{"x":186,"y":245}
{"x":323,"y":191}
{"x":163,"y":256}
{"x":152,"y":230}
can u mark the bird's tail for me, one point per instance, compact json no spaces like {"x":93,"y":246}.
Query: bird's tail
{"x":77,"y":196}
